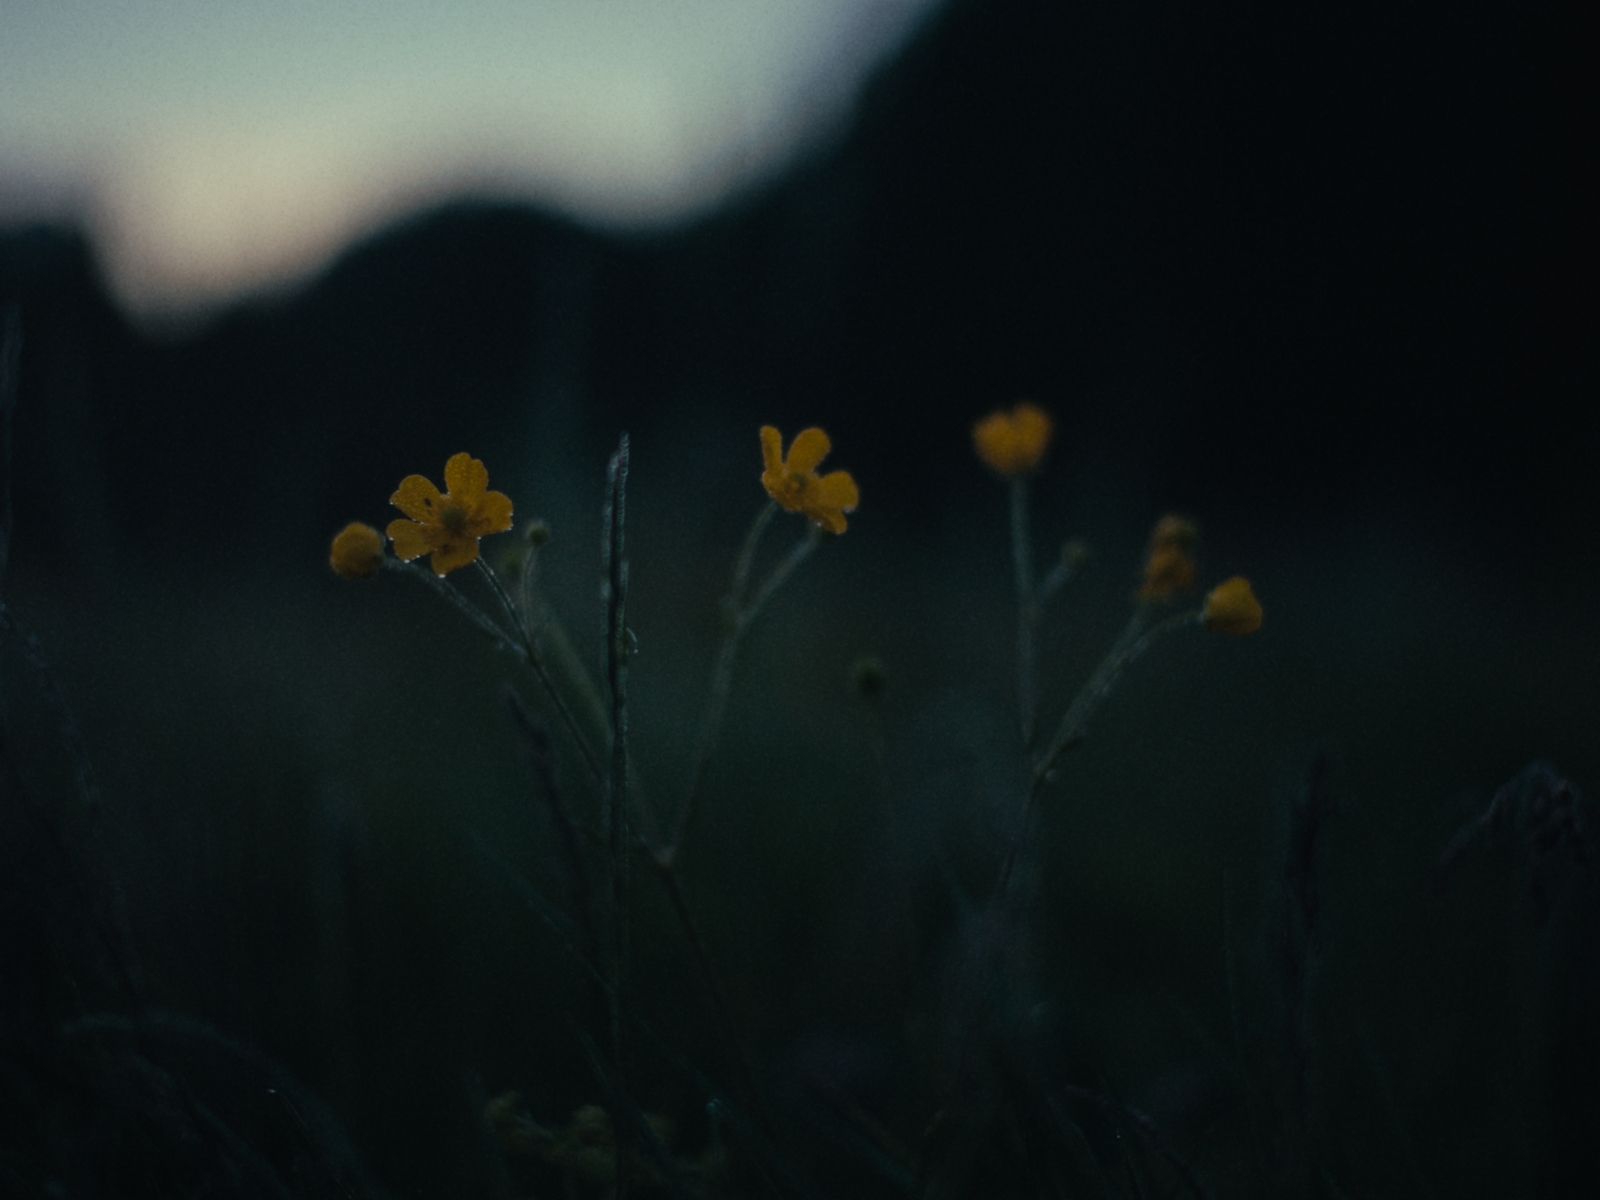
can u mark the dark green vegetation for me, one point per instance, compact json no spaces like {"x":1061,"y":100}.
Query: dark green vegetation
{"x":1310,"y":280}
{"x":326,"y":837}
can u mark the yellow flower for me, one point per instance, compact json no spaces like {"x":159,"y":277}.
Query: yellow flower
{"x":1169,"y":563}
{"x":1012,"y":443}
{"x":793,"y":481}
{"x":357,"y":551}
{"x":450,"y":525}
{"x":1231,"y":607}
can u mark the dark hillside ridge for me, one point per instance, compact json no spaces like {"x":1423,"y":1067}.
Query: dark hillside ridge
{"x":1301,"y":263}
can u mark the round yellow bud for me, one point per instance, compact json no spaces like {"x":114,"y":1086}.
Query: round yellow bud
{"x":357,"y":551}
{"x":1012,"y":443}
{"x":1231,"y":607}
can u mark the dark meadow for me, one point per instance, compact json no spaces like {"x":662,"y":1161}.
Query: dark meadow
{"x":288,"y":905}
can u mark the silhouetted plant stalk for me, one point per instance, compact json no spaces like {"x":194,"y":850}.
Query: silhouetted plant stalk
{"x":541,"y":763}
{"x":1547,"y":813}
{"x":1299,"y":943}
{"x":738,"y":615}
{"x":1545,"y":824}
{"x":527,"y":633}
{"x":1136,"y":639}
{"x":616,"y":799}
{"x":1027,"y":607}
{"x":517,"y":641}
{"x":447,"y":526}
{"x":109,"y":894}
{"x":1149,"y":1130}
{"x":1031,"y":600}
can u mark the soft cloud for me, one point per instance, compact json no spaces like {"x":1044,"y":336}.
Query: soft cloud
{"x":219,"y":145}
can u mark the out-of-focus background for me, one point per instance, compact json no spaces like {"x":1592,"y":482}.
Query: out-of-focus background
{"x":219,"y":148}
{"x":1313,"y":277}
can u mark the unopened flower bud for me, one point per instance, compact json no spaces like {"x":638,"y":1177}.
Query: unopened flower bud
{"x":1013,"y":443}
{"x":1231,"y":607}
{"x":1169,"y":562}
{"x":357,"y":551}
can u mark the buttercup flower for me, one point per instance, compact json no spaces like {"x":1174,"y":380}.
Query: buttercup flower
{"x":793,"y":481}
{"x":357,"y":551}
{"x":1169,"y":563}
{"x":1012,"y":443}
{"x":1231,"y":607}
{"x":450,"y":525}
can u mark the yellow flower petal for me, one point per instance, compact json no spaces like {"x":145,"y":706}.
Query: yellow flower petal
{"x":466,"y":479}
{"x":810,"y":447}
{"x":417,"y":498}
{"x":771,"y":451}
{"x":448,"y":526}
{"x":493,"y":515}
{"x":410,"y":539}
{"x":794,"y":484}
{"x":837,"y":489}
{"x":454,"y":554}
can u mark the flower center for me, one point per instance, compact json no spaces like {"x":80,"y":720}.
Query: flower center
{"x":452,"y":516}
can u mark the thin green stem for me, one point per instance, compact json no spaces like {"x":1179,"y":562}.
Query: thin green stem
{"x":616,"y":572}
{"x":564,"y":711}
{"x":802,"y":550}
{"x":1060,"y":575}
{"x":747,"y":554}
{"x":70,"y":735}
{"x":713,"y":979}
{"x":529,"y":652}
{"x":528,"y":595}
{"x":739,"y":615}
{"x":566,"y":665}
{"x":1027,"y":607}
{"x":1135,"y":640}
{"x":511,"y":643}
{"x":1130,"y":647}
{"x":507,"y":605}
{"x":536,"y":747}
{"x":460,"y":603}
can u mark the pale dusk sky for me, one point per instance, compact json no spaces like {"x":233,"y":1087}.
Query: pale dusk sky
{"x":215,"y":147}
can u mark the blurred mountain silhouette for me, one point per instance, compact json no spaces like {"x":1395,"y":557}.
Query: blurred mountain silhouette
{"x":1297,"y":264}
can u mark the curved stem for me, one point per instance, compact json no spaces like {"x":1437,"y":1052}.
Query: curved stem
{"x":747,"y":553}
{"x":521,"y":648}
{"x":802,"y":550}
{"x":460,"y":603}
{"x":1135,"y":640}
{"x":713,"y":980}
{"x":507,"y":605}
{"x":528,"y":651}
{"x":616,"y":785}
{"x":739,"y":615}
{"x":1027,"y":607}
{"x":1131,"y":646}
{"x":564,"y":711}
